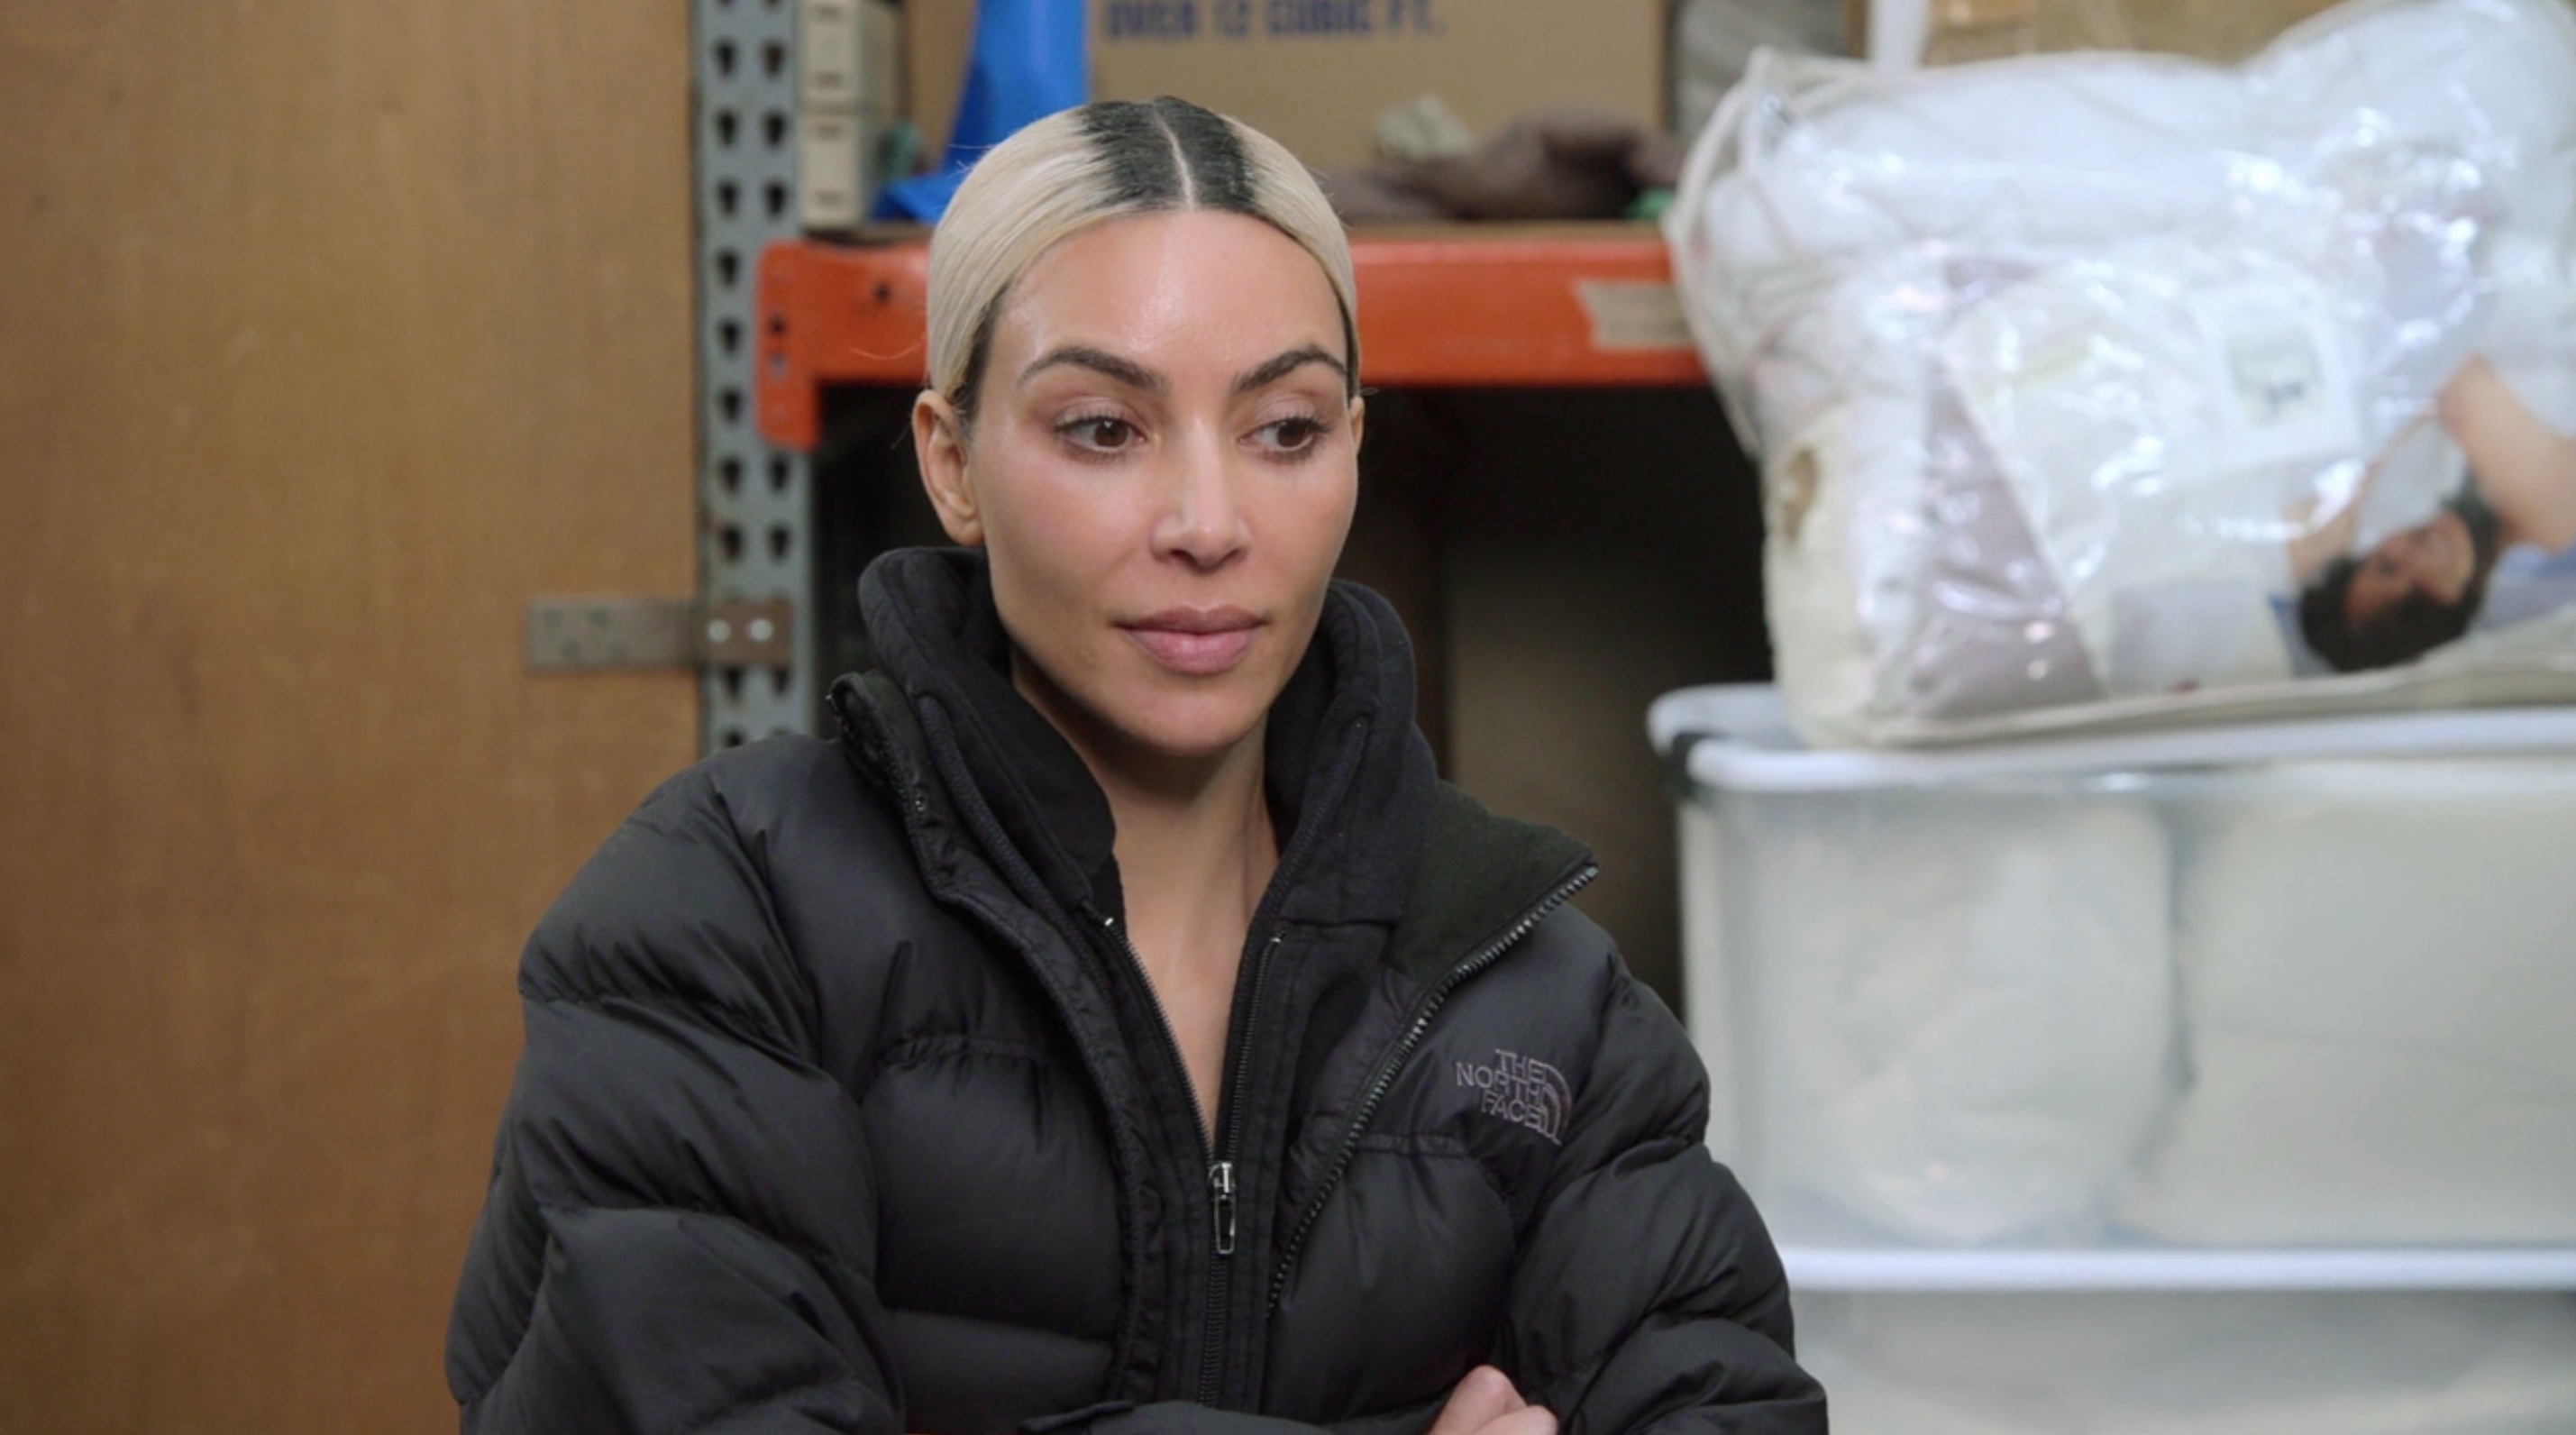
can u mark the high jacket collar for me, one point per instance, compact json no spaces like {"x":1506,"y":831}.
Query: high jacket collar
{"x":1342,"y":756}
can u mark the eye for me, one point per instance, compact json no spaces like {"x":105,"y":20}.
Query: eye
{"x":1097,"y":433}
{"x":1291,"y":437}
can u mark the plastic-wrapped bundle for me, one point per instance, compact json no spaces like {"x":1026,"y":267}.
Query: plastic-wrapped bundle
{"x":2100,"y":387}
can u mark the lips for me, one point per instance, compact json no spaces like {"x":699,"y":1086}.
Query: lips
{"x":1196,"y":642}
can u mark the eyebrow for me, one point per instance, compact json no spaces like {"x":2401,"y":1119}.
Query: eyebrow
{"x":1126,"y":371}
{"x":1136,"y":376}
{"x":1263,"y":374}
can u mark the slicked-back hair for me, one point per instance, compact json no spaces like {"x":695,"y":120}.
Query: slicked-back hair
{"x":1105,"y":161}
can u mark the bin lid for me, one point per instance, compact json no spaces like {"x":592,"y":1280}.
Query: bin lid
{"x":1737,"y":738}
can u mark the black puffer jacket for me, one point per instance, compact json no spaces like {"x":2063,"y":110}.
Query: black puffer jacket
{"x":845,"y":1107}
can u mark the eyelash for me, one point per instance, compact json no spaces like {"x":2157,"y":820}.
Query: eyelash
{"x":1305,"y":428}
{"x":1310,"y":431}
{"x":1072,"y":430}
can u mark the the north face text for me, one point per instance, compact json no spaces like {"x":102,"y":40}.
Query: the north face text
{"x":1525,"y":1092}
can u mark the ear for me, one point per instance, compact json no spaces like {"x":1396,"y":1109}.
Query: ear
{"x":939,"y":442}
{"x":1359,"y":420}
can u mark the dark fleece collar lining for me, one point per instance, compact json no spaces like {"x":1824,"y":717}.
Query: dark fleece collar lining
{"x":1479,"y":874}
{"x":934,"y":628}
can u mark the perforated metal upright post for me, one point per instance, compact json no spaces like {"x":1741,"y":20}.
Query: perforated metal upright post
{"x":753,"y":500}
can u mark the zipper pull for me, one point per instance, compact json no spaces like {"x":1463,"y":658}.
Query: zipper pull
{"x":1221,"y":1183}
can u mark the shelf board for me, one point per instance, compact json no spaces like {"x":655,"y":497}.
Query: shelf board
{"x":1455,"y":306}
{"x":1821,"y":1268}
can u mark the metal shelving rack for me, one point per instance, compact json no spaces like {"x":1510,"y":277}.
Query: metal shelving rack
{"x":1487,"y":306}
{"x":754,"y":503}
{"x":782,"y":318}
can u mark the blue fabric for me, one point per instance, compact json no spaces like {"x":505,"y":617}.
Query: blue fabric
{"x":1029,"y":61}
{"x":2528,"y":583}
{"x":2532,"y":561}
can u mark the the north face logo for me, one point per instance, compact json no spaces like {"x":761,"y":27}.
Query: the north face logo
{"x":1517,"y":1089}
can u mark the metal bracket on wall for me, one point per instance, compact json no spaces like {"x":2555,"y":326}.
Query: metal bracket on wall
{"x":622,"y":631}
{"x":753,"y":500}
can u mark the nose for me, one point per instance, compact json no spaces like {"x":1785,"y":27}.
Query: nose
{"x":1203,"y":522}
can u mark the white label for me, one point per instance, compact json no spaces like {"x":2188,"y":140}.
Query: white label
{"x":2275,"y":356}
{"x":1631,"y":314}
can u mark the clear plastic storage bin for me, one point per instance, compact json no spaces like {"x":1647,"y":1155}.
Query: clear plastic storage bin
{"x":2284,"y":1007}
{"x":2195,"y":1363}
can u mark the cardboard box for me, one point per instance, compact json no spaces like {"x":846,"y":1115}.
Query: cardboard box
{"x":849,"y":57}
{"x":849,"y":92}
{"x":1315,"y":74}
{"x":2220,"y":30}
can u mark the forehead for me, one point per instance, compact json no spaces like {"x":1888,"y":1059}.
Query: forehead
{"x":1183,"y":291}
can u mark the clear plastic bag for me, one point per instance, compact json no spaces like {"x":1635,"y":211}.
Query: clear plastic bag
{"x":2100,"y":388}
{"x":2226,"y":30}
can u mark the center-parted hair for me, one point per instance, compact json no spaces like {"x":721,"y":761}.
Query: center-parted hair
{"x":1106,"y":161}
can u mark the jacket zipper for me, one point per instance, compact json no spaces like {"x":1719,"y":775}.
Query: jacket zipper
{"x":1219,"y":1167}
{"x":1219,"y":1164}
{"x":1221,"y":1174}
{"x":1219,"y":1161}
{"x":1221,"y":1190}
{"x":1389,"y":1066}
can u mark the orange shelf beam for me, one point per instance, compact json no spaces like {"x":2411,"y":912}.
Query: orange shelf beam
{"x":1501,"y":307}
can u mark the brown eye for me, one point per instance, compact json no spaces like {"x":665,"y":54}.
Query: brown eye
{"x":1098,"y":432}
{"x":1292,"y":436}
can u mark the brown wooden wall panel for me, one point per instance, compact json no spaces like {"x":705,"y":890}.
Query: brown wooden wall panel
{"x":329,"y":332}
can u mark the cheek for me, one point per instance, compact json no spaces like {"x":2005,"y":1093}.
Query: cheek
{"x":1312,"y":521}
{"x":1046,"y":529}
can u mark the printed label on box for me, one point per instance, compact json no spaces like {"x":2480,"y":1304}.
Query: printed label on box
{"x":1168,"y":21}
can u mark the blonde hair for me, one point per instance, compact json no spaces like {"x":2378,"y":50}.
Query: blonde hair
{"x":1104,"y":161}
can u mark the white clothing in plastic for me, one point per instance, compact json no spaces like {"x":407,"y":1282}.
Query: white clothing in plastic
{"x":2049,"y":361}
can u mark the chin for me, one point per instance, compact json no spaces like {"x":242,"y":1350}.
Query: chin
{"x":1191,"y":725}
{"x":1188,"y":735}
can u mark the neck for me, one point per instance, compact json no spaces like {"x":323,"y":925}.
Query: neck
{"x":1194,"y":859}
{"x":1195,"y":843}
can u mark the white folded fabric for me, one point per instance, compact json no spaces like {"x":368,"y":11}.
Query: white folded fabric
{"x":2240,"y":1363}
{"x":1977,"y":1048}
{"x":2383,"y":1060}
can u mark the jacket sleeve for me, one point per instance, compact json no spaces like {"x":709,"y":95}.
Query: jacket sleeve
{"x":1648,"y":1296}
{"x":680,"y":1232}
{"x":1178,"y":1417}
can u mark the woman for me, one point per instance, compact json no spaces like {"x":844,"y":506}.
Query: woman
{"x":2423,"y":586}
{"x":1120,"y":1027}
